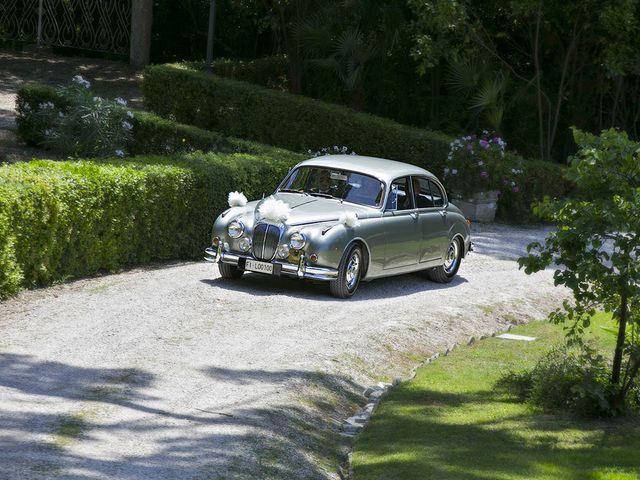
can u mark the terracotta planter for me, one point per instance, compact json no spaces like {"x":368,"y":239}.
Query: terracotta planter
{"x":481,"y":207}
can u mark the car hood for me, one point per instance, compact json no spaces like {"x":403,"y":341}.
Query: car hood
{"x":306,"y":209}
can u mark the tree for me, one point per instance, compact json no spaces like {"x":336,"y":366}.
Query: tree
{"x":559,"y":55}
{"x":597,"y":246}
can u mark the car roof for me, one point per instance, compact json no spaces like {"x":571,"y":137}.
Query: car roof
{"x":385,"y":170}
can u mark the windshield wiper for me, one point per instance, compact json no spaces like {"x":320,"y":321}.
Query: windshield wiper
{"x":319,"y":194}
{"x":289,"y":190}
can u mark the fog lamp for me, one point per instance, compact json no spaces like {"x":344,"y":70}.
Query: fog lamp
{"x":245,"y":244}
{"x":283,"y":251}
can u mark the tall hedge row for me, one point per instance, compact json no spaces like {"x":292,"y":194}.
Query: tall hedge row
{"x":60,"y":220}
{"x":300,"y":123}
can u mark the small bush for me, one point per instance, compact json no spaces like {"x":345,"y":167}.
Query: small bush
{"x":61,"y":220}
{"x":301,"y":124}
{"x":151,"y":134}
{"x":79,"y":123}
{"x":565,"y":380}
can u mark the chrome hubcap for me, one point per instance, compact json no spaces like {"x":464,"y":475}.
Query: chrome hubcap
{"x":452,"y":258}
{"x":353,"y":269}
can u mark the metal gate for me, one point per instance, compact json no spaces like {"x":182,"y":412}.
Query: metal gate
{"x":98,"y":25}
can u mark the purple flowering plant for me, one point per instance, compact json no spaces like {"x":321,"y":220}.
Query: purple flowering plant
{"x":476,"y":163}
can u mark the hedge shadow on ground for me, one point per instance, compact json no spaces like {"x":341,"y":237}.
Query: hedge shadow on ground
{"x":287,"y":440}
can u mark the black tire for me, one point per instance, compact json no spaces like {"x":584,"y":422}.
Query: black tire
{"x":346,"y":284}
{"x":229,"y":271}
{"x":446,"y":272}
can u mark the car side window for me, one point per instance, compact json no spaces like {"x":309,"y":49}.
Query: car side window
{"x":422,"y":193}
{"x":400,"y":195}
{"x":436,"y":194}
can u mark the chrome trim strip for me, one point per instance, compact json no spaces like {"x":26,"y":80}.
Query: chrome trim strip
{"x":300,"y":270}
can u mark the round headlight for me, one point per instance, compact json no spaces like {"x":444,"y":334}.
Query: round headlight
{"x":297,"y":241}
{"x":235,"y":229}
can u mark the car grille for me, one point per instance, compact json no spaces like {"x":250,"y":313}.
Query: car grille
{"x":265,"y":241}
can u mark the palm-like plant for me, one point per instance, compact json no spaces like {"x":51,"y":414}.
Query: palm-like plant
{"x":483,"y":88}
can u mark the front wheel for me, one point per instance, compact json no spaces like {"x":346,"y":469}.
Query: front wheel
{"x":229,"y":271}
{"x":349,"y":273}
{"x":448,"y":270}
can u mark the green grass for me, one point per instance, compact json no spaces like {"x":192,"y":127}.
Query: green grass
{"x":451,"y":423}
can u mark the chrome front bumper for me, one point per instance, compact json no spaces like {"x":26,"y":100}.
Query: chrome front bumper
{"x":300,"y":270}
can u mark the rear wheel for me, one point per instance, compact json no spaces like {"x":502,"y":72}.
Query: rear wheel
{"x":229,"y":271}
{"x":349,"y":273}
{"x":447,"y":271}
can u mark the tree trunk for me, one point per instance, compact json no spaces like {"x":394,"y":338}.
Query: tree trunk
{"x":141,"y":22}
{"x":435,"y":97}
{"x":622,"y":327}
{"x":536,"y":61}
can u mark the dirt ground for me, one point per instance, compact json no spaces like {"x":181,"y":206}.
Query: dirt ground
{"x":175,"y":373}
{"x":109,"y":79}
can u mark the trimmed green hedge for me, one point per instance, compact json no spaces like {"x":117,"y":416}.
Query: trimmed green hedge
{"x":300,"y":124}
{"x":152,"y":134}
{"x":60,"y":220}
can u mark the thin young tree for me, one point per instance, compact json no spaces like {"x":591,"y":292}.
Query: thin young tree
{"x":596,"y":247}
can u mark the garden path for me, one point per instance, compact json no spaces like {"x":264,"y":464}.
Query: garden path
{"x":109,"y":79}
{"x":173,"y":373}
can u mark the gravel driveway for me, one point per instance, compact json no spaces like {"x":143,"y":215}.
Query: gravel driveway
{"x":173,"y":373}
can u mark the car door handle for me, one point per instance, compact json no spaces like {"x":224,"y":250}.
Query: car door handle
{"x":414,"y":215}
{"x":443,"y":213}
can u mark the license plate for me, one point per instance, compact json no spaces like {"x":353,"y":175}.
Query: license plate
{"x":262,"y":267}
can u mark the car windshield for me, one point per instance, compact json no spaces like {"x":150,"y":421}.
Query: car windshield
{"x":333,"y":183}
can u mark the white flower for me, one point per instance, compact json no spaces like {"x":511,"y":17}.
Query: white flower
{"x":274,"y":210}
{"x":480,"y":163}
{"x":120,"y":153}
{"x":48,"y":132}
{"x":349,"y":219}
{"x":121,"y":101}
{"x":81,"y":81}
{"x":447,"y":171}
{"x":354,"y":153}
{"x":130,"y":114}
{"x":46,"y":105}
{"x":237,"y":199}
{"x":454,"y":172}
{"x":60,"y":114}
{"x":344,"y":149}
{"x":97,"y":100}
{"x":126,"y":125}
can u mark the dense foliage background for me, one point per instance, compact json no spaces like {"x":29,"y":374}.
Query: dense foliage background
{"x":526,"y":69}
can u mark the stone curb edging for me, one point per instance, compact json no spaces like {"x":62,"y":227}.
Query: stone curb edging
{"x":353,"y":425}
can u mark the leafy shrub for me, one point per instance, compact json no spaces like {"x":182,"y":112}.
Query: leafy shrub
{"x":565,"y":380}
{"x":81,"y":124}
{"x":61,"y":220}
{"x":151,"y":134}
{"x":300,"y":124}
{"x":270,"y":72}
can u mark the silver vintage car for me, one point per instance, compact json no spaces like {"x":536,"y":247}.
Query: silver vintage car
{"x":343,"y":219}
